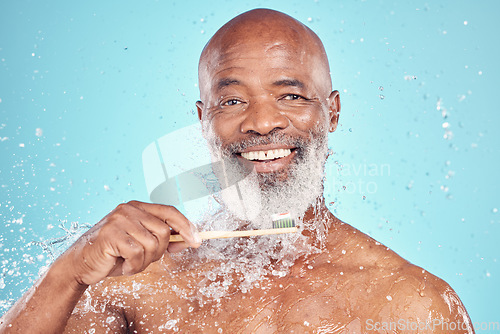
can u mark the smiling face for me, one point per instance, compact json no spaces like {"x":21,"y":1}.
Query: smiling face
{"x":266,"y":95}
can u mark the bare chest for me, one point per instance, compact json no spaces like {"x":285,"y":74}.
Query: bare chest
{"x":308,"y":300}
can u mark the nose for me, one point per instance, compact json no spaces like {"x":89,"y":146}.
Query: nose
{"x":263,"y":118}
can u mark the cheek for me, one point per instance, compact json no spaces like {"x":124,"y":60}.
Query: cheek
{"x":225,"y":127}
{"x":310,"y":119}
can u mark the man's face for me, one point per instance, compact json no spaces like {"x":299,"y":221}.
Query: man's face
{"x":265,"y":102}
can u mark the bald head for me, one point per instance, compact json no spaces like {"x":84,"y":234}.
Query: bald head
{"x":264,"y":30}
{"x":266,"y":100}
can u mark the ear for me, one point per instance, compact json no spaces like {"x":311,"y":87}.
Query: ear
{"x":199,"y":106}
{"x":334,"y":110}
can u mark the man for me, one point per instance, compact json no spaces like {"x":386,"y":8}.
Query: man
{"x":267,"y":101}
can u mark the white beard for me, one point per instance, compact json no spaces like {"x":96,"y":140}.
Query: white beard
{"x":244,"y":263}
{"x":257,"y":196}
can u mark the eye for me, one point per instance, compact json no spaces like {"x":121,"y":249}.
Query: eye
{"x":231,"y":102}
{"x":293,"y":97}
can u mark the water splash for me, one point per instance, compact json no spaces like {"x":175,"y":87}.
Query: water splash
{"x":54,"y":247}
{"x":222,"y":267}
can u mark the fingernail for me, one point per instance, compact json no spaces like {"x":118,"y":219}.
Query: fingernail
{"x":196,"y":237}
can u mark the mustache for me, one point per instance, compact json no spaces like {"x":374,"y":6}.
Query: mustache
{"x":274,"y":137}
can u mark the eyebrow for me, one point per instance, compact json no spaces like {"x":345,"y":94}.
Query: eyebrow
{"x":289,"y":82}
{"x":224,"y":82}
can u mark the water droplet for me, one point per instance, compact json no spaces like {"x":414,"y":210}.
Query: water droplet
{"x":389,"y":298}
{"x":381,"y":96}
{"x":350,"y":129}
{"x":38,"y":132}
{"x":466,"y":23}
{"x":170,"y":324}
{"x":381,"y":88}
{"x":364,"y":197}
{"x":495,"y":210}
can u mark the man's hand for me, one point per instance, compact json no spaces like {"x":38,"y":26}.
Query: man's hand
{"x":128,"y":240}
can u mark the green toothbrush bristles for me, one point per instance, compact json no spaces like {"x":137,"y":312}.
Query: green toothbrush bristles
{"x":283,"y":221}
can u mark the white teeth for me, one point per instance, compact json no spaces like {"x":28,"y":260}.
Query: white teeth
{"x":266,"y":155}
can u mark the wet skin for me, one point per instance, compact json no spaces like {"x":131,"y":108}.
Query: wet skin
{"x":344,"y":289}
{"x":263,"y":72}
{"x":253,"y":83}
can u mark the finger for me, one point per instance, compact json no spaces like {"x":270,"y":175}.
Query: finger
{"x":172,"y":217}
{"x":176,"y":247}
{"x":132,"y":252}
{"x":152,"y":232}
{"x":146,"y":239}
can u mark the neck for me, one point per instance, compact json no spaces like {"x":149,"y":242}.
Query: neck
{"x":317,"y":222}
{"x":317,"y":210}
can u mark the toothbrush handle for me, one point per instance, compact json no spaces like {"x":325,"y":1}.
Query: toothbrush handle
{"x":235,"y":234}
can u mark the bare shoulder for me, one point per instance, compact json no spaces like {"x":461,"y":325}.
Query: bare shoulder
{"x":421,"y":295}
{"x":399,"y":292}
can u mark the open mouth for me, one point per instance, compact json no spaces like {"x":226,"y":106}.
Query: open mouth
{"x":267,"y":154}
{"x":268,"y":160}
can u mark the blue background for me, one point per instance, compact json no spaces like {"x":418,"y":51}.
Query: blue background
{"x":102,"y":80}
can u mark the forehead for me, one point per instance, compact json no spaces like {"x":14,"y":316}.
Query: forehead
{"x":265,"y":59}
{"x":261,"y":47}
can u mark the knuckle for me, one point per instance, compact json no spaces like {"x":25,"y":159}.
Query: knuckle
{"x":122,"y":206}
{"x":133,"y":203}
{"x":163,"y":232}
{"x":171,"y":210}
{"x":151,"y":242}
{"x":120,"y":211}
{"x":135,"y":250}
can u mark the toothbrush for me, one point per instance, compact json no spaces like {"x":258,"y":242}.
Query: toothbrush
{"x":282,"y":223}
